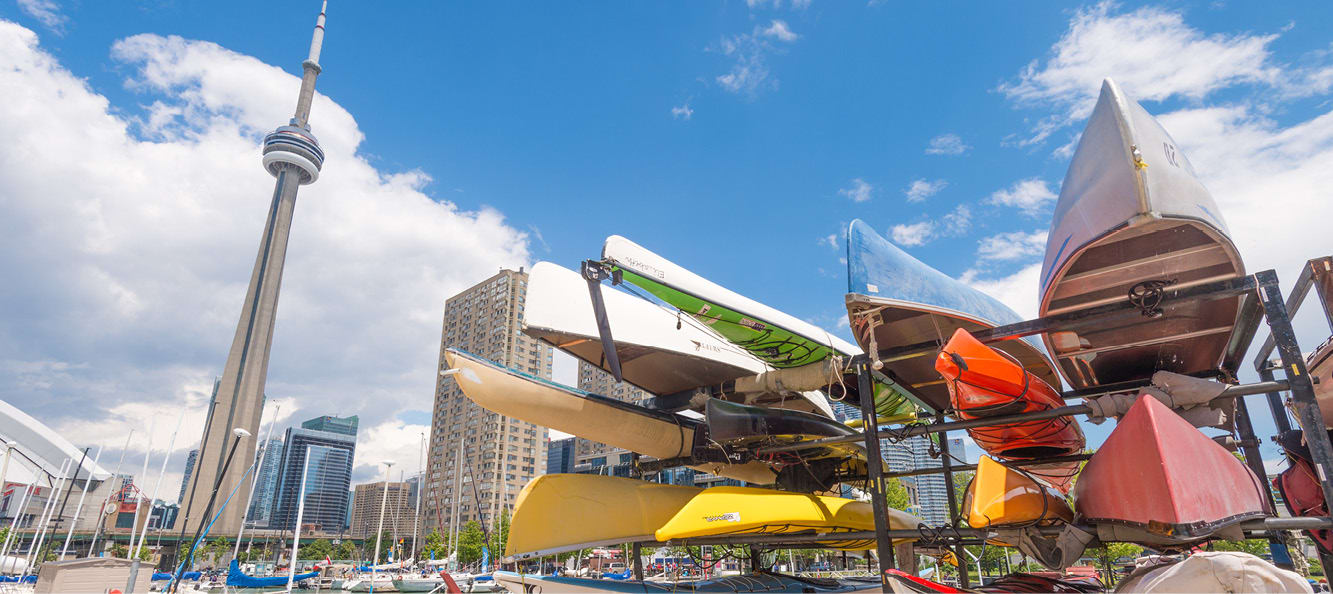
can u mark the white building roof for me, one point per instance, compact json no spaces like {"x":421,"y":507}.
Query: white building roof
{"x":43,"y":445}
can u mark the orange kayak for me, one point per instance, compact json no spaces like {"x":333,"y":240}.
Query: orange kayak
{"x":984,"y":382}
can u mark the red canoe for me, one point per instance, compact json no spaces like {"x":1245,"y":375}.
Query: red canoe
{"x":1158,"y":481}
{"x":984,"y":382}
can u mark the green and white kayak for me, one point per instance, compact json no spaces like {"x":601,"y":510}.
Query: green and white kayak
{"x":775,"y":337}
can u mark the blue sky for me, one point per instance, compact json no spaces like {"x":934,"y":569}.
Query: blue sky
{"x":737,"y":139}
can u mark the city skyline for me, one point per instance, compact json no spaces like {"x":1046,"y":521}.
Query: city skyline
{"x":441,"y":201}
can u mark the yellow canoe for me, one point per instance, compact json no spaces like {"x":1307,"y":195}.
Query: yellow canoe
{"x":722,"y":511}
{"x":1001,"y":496}
{"x":564,"y":512}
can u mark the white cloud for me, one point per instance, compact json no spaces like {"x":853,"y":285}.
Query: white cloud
{"x":947,"y":144}
{"x":682,"y":112}
{"x":1012,"y":246}
{"x":47,"y":12}
{"x":749,"y":73}
{"x":1029,"y":195}
{"x":859,"y":191}
{"x":778,"y":30}
{"x":830,"y":240}
{"x":921,"y":189}
{"x":1018,"y":290}
{"x":135,"y":263}
{"x":914,"y":234}
{"x":1154,"y":55}
{"x":953,"y":224}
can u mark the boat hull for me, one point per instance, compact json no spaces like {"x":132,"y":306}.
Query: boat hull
{"x":763,"y":582}
{"x":774,"y":337}
{"x":601,"y":419}
{"x":896,"y":300}
{"x":1000,"y":496}
{"x":984,"y":382}
{"x":1132,"y":216}
{"x":724,"y":511}
{"x":556,"y":513}
{"x":1158,"y":481}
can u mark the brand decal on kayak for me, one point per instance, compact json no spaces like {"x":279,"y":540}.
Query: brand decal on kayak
{"x":748,"y":323}
{"x":645,"y":267}
{"x":703,"y":317}
{"x":699,"y":346}
{"x":727,"y":517}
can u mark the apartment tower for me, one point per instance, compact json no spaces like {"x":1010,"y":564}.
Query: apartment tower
{"x":500,"y":454}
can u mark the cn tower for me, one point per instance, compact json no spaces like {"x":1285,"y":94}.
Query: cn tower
{"x":292,"y":155}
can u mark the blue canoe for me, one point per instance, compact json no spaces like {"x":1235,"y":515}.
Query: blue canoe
{"x":237,"y":579}
{"x":898,"y":300}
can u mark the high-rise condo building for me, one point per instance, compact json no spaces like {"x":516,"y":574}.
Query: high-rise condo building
{"x":189,"y":470}
{"x":328,"y":479}
{"x":500,"y":454}
{"x":266,"y":483}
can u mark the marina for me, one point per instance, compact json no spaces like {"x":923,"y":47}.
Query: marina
{"x":623,"y":421}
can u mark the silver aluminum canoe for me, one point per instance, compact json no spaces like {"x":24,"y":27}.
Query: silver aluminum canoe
{"x":1132,"y":214}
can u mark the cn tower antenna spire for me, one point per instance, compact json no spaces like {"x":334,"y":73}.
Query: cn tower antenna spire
{"x":312,"y":70}
{"x":291,"y":154}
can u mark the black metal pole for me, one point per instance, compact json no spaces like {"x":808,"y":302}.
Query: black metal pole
{"x":946,"y":461}
{"x":1249,"y":445}
{"x":1275,"y":405}
{"x":194,"y":471}
{"x":189,"y":556}
{"x":874,"y":468}
{"x":1298,"y":379}
{"x":61,"y":514}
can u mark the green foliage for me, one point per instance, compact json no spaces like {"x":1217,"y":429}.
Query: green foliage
{"x":1316,"y":568}
{"x":1253,"y":546}
{"x":345,"y":550}
{"x":499,"y":536}
{"x":386,"y":542}
{"x":895,"y":494}
{"x":436,"y":545}
{"x":119,"y":550}
{"x":1117,"y":550}
{"x":469,"y":543}
{"x":255,"y":554}
{"x":315,"y":550}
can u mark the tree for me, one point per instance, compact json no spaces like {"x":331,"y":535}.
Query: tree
{"x":316,"y":550}
{"x":435,"y":547}
{"x":469,"y":543}
{"x":895,"y":494}
{"x":1117,"y":550}
{"x":1254,"y":546}
{"x":499,"y":537}
{"x":119,"y":550}
{"x":345,"y":550}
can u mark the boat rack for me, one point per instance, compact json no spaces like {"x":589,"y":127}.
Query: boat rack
{"x":1260,"y":301}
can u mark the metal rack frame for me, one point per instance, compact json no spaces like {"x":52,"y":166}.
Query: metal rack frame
{"x":1260,"y":300}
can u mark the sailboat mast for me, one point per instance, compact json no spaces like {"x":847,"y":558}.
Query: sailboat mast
{"x":421,"y":485}
{"x":171,"y":443}
{"x":259,"y":457}
{"x":78,"y":509}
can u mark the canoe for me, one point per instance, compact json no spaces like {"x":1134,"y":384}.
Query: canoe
{"x":1301,"y":492}
{"x":1158,"y":481}
{"x":556,"y":513}
{"x":591,"y":416}
{"x":1001,"y":496}
{"x":775,"y":337}
{"x":984,"y":382}
{"x":657,"y":353}
{"x":724,"y":511}
{"x":1132,"y":217}
{"x":751,"y":582}
{"x":820,"y":469}
{"x":896,"y":300}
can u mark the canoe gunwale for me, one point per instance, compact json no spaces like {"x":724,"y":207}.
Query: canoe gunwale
{"x":1184,"y":533}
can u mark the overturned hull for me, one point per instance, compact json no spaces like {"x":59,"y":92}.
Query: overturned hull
{"x":1133,"y":220}
{"x":895,"y":300}
{"x":1000,"y":496}
{"x":1158,"y":481}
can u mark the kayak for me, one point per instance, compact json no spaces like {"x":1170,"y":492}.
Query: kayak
{"x":895,"y":300}
{"x":984,"y":382}
{"x":1160,"y":482}
{"x":1001,"y":496}
{"x":1133,"y":220}
{"x":1300,"y":489}
{"x":722,"y":511}
{"x":738,"y":426}
{"x":591,"y":416}
{"x":750,"y":582}
{"x":556,"y":513}
{"x":775,"y":337}
{"x":657,"y":353}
